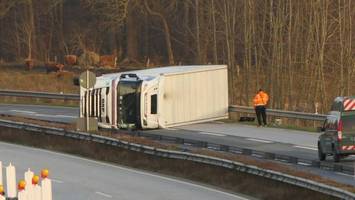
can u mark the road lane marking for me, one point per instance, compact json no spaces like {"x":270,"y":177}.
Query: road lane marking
{"x":213,"y":134}
{"x":339,"y":173}
{"x":259,"y":140}
{"x":23,"y":111}
{"x":305,"y":147}
{"x":42,"y":115}
{"x":66,"y":116}
{"x":45,"y":115}
{"x":304,"y":164}
{"x":131,"y":170}
{"x":103,"y":194}
{"x":171,"y":129}
{"x":56,"y":180}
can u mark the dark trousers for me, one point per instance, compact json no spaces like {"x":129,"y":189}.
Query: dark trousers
{"x":260,"y":113}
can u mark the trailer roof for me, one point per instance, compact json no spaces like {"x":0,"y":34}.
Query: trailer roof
{"x":167,"y":70}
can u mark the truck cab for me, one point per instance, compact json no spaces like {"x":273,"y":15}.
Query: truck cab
{"x":137,"y":101}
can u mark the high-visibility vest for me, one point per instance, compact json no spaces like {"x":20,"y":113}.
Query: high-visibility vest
{"x":261,"y":99}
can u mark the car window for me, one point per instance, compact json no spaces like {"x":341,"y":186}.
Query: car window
{"x":331,"y":123}
{"x":337,"y":106}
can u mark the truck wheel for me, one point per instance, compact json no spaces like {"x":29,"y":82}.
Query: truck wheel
{"x":336,"y":157}
{"x":321,"y":155}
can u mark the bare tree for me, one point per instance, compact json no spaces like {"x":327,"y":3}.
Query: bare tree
{"x":165,"y":27}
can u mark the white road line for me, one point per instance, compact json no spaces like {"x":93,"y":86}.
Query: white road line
{"x":304,"y":164}
{"x":103,"y":194}
{"x":305,"y":147}
{"x":44,"y":115}
{"x":66,"y":116}
{"x":339,"y":173}
{"x":131,"y":170}
{"x":56,"y":180}
{"x":259,"y":140}
{"x":171,"y":129}
{"x":23,"y":111}
{"x":213,"y":134}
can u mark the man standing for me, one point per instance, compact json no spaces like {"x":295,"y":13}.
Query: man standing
{"x":260,"y":101}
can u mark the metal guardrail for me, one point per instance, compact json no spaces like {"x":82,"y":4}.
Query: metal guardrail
{"x":44,"y":95}
{"x":270,"y":174}
{"x":280,"y":113}
{"x":336,"y":167}
{"x":232,"y":108}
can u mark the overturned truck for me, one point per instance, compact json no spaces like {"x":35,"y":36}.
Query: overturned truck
{"x":158,"y":97}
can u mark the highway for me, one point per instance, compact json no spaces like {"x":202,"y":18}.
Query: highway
{"x":76,"y":178}
{"x":300,"y":144}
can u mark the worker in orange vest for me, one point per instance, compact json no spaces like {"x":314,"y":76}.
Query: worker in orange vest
{"x":260,"y":101}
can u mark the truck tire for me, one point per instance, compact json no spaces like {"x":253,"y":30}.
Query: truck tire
{"x":321,"y":155}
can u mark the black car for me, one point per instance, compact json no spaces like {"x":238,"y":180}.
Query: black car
{"x":338,"y":138}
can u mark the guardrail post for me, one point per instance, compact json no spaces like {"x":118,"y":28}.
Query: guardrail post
{"x":270,"y":156}
{"x":224,"y":148}
{"x":179,"y":140}
{"x":202,"y":144}
{"x":293,"y":160}
{"x":247,"y":152}
{"x":316,"y":163}
{"x":337,"y":168}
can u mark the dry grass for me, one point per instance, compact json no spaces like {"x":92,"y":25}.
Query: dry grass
{"x":61,"y":82}
{"x":222,"y":178}
{"x":36,"y":81}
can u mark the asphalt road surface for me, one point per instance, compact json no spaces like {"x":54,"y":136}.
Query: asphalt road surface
{"x":76,"y":178}
{"x":300,"y":144}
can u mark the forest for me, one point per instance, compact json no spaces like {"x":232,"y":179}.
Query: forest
{"x":301,"y":52}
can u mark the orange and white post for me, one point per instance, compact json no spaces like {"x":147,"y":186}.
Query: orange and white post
{"x":2,"y":193}
{"x":46,"y":185}
{"x":29,"y":188}
{"x":22,"y":193}
{"x":36,"y":189}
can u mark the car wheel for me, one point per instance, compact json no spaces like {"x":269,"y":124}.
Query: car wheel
{"x":321,"y":155}
{"x":336,"y":157}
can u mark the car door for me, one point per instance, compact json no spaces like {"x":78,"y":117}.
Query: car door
{"x":330,"y":131}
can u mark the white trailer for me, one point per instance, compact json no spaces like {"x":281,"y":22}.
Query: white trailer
{"x":158,"y":97}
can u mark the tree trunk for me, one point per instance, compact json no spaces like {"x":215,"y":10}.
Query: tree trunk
{"x":166,"y":31}
{"x":132,"y":34}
